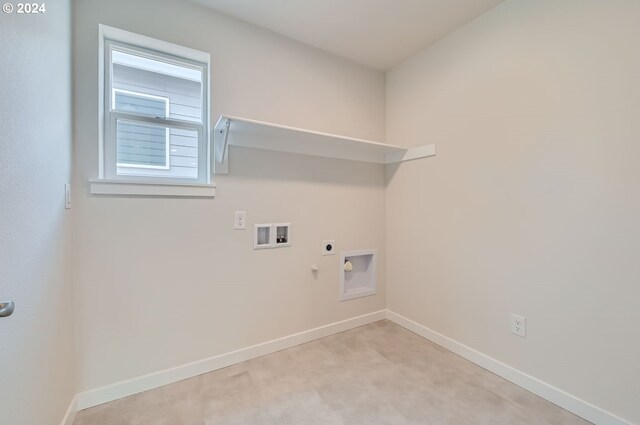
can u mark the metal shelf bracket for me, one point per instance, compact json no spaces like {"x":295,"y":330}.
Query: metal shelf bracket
{"x":221,"y":146}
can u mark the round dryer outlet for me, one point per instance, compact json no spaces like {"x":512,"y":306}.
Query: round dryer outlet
{"x":328,"y":247}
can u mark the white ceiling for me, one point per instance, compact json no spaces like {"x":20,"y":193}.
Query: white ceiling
{"x":377,"y":33}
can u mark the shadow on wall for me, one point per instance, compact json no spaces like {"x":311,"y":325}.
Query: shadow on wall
{"x":258,"y":164}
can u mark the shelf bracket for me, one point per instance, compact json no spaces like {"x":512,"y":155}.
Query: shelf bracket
{"x":221,"y":146}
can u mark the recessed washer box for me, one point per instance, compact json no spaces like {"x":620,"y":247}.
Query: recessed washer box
{"x":262,"y":236}
{"x":282,"y":233}
{"x":269,"y":235}
{"x":361,"y":280}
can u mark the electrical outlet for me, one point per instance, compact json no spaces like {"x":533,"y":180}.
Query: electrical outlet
{"x":240,"y":220}
{"x":519,"y":325}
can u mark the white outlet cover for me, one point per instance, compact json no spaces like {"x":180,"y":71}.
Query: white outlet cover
{"x":518,"y":325}
{"x":329,"y":247}
{"x":240,"y":220}
{"x":67,"y":196}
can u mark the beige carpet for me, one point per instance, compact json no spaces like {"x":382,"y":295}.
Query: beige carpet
{"x":375,"y":374}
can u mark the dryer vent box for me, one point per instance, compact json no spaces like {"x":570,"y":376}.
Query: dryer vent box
{"x":361,"y":280}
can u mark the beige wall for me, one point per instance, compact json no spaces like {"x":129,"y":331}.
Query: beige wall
{"x":528,"y":208}
{"x":531,"y":206}
{"x":149,"y":299}
{"x":36,"y":343}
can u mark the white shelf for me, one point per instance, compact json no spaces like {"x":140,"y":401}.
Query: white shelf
{"x":236,"y":131}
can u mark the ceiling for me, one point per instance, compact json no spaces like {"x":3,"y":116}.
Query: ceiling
{"x":376,"y":33}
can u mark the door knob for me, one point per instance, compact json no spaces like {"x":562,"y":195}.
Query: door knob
{"x":6,"y":308}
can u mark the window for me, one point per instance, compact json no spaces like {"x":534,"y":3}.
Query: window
{"x":138,"y":145}
{"x":155,"y":125}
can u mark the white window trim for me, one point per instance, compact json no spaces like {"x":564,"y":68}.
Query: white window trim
{"x":152,"y":187}
{"x":125,"y":188}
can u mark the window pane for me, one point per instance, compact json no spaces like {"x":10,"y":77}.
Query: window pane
{"x":141,"y":145}
{"x":151,"y":150}
{"x":180,"y":86}
{"x":138,"y":103}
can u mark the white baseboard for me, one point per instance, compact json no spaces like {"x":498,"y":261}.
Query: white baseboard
{"x":157,"y":379}
{"x":556,"y":396}
{"x":70,"y":415}
{"x":129,"y":387}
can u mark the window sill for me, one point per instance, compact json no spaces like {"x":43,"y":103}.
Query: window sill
{"x":129,"y":188}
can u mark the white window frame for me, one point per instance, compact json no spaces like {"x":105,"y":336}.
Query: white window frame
{"x":108,"y":182}
{"x":167,"y":160}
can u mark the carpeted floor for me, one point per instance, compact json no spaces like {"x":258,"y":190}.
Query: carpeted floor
{"x":375,"y":374}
